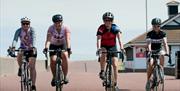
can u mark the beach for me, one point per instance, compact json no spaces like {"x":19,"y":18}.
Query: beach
{"x":83,"y":76}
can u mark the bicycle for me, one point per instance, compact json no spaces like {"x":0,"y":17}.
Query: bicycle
{"x":109,"y":81}
{"x":26,"y":82}
{"x":59,"y":77}
{"x":157,"y":79}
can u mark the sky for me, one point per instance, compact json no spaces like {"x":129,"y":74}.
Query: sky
{"x":82,"y":16}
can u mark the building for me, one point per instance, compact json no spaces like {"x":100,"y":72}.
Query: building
{"x":136,"y":48}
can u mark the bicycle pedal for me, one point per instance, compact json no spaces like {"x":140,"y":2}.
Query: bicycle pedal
{"x":104,"y":84}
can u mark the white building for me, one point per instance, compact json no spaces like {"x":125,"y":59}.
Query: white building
{"x":136,"y":48}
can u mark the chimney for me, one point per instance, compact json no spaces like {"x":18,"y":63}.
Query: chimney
{"x":172,"y":8}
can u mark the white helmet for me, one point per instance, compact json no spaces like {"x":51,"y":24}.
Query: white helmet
{"x":25,"y":19}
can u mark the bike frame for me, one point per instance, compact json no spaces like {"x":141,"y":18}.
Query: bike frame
{"x":59,"y":76}
{"x":158,"y":74}
{"x":26,"y":82}
{"x":59,"y":73}
{"x":109,"y":74}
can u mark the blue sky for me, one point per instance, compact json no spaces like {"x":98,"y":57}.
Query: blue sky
{"x":82,"y":16}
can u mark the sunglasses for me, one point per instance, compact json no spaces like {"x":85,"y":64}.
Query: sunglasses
{"x":156,"y":25}
{"x":25,"y":23}
{"x":107,"y":20}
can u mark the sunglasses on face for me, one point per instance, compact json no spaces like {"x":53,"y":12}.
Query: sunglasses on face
{"x":156,"y":25}
{"x":108,"y":20}
{"x":25,"y":23}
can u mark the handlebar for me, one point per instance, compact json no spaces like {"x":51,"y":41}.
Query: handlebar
{"x":112,"y":52}
{"x":11,"y":52}
{"x":45,"y":53}
{"x":156,"y":53}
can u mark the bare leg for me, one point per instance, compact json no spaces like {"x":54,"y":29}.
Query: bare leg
{"x":115,"y":63}
{"x":103,"y":59}
{"x":53,"y":65}
{"x":65,"y":60}
{"x":32,"y":63}
{"x":149,"y":69}
{"x":19,"y":59}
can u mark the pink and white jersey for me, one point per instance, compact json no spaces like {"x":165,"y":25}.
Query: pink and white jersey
{"x":58,"y":38}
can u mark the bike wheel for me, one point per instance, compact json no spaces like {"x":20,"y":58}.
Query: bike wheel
{"x":153,"y":81}
{"x":58,"y":78}
{"x":23,"y":77}
{"x":28,"y":80}
{"x":22,"y":82}
{"x":110,"y":86}
{"x":160,"y":79}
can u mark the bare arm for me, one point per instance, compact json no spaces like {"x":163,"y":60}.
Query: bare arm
{"x":165,"y":45}
{"x":68,"y":40}
{"x":119,"y":36}
{"x":48,"y":38}
{"x":148,"y":40}
{"x":98,"y":41}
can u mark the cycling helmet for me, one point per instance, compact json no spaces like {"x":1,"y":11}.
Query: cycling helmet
{"x":108,"y":15}
{"x":57,"y":18}
{"x":25,"y":19}
{"x":156,"y":21}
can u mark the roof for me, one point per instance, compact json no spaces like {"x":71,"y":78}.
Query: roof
{"x":166,"y":22}
{"x":172,"y":28}
{"x":173,"y":38}
{"x":173,"y":2}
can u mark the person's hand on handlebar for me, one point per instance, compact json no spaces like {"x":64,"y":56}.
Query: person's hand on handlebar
{"x":98,"y":52}
{"x":69,"y":52}
{"x":123,"y":51}
{"x":11,"y":51}
{"x":45,"y":50}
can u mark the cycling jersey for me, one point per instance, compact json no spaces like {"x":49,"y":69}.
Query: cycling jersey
{"x":156,"y":39}
{"x":58,"y":38}
{"x":108,"y":37}
{"x":27,"y":39}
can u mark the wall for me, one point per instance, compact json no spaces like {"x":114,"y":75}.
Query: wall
{"x":174,"y":49}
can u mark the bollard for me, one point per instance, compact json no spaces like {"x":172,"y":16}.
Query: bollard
{"x":85,"y":67}
{"x":177,"y":68}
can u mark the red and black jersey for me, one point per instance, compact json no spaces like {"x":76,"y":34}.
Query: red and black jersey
{"x":108,"y":37}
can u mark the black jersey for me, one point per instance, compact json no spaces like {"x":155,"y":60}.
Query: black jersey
{"x":156,"y":39}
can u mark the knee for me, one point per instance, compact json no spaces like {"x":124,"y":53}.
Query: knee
{"x":114,"y":65}
{"x":32,"y":66}
{"x":53,"y":62}
{"x":65,"y":56}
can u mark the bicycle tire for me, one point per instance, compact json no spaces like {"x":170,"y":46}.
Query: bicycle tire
{"x":153,"y":81}
{"x":58,"y":78}
{"x":23,"y":78}
{"x":160,"y":79}
{"x":28,"y":80}
{"x":109,"y":79}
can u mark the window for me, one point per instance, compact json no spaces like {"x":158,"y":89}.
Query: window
{"x":129,"y":53}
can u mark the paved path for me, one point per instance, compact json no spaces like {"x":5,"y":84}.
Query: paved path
{"x":82,"y":79}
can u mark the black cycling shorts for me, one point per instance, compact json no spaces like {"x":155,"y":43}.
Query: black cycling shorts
{"x":30,"y":53}
{"x":111,"y":48}
{"x":55,"y":47}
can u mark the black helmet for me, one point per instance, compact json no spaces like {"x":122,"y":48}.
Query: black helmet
{"x":57,"y":18}
{"x":156,"y":21}
{"x":108,"y":15}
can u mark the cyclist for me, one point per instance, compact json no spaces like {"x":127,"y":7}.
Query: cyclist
{"x":58,"y":36}
{"x":155,"y":38}
{"x":106,"y":40}
{"x":27,"y":41}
